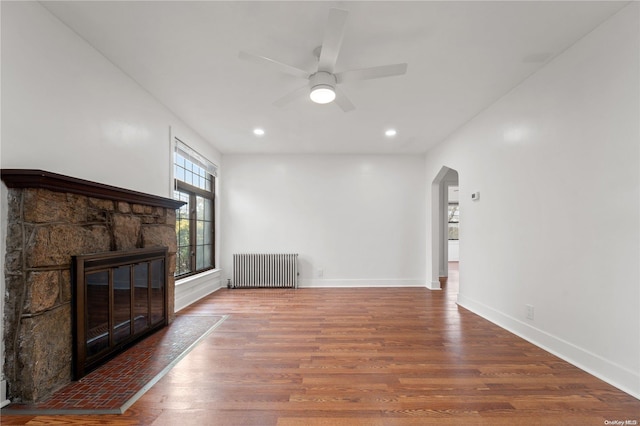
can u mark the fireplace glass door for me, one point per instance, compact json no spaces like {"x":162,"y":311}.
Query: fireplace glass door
{"x":98,"y":312}
{"x":119,"y":297}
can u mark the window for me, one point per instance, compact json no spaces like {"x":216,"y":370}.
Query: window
{"x":194,"y":179}
{"x":454,"y":221}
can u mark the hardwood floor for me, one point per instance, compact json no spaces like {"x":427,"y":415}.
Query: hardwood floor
{"x":365,"y":356}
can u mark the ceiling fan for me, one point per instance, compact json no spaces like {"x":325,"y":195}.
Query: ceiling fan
{"x":323,"y":82}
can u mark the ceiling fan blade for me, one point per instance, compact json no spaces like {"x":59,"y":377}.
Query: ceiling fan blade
{"x":333,"y":34}
{"x":371,"y":73}
{"x":288,"y":69}
{"x":298,"y":93}
{"x":343,"y":101}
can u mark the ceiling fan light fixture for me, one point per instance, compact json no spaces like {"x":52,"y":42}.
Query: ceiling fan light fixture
{"x":322,"y":94}
{"x":323,"y":84}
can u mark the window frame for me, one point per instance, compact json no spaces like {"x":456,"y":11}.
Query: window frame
{"x":193,"y":192}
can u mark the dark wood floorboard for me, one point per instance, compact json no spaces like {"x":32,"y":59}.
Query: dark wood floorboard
{"x":365,"y":356}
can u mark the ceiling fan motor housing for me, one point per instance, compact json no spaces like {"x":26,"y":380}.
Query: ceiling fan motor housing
{"x":322,"y":78}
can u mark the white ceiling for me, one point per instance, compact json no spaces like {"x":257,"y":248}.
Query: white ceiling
{"x":462,"y":57}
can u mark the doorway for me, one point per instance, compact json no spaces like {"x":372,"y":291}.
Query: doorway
{"x":444,"y":225}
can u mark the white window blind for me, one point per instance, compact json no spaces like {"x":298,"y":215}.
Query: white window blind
{"x":190,"y":154}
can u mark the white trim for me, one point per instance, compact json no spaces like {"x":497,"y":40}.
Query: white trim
{"x":617,"y":375}
{"x":361,"y":282}
{"x":191,"y":289}
{"x":205,"y":274}
{"x":172,"y":183}
{"x":434,"y":285}
{"x":3,"y":394}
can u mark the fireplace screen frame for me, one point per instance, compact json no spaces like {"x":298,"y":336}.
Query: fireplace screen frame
{"x":90,"y":350}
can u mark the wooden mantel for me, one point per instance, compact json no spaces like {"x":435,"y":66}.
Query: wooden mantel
{"x":29,"y":178}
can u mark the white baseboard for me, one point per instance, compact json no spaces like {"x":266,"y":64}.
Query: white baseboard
{"x":616,"y":375}
{"x":434,"y":285}
{"x":194,"y":288}
{"x":330,"y":283}
{"x":3,"y":394}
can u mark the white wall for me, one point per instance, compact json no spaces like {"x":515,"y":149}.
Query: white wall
{"x":359,"y":218}
{"x":454,"y":250}
{"x":67,"y":109}
{"x":557,"y":225}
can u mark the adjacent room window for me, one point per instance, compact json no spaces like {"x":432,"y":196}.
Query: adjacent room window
{"x":194,"y":178}
{"x":454,"y":221}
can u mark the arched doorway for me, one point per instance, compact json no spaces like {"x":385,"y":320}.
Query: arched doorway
{"x":446,"y":179}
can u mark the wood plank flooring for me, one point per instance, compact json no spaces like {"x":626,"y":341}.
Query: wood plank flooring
{"x":365,"y":356}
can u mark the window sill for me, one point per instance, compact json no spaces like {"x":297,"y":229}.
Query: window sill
{"x":206,"y":274}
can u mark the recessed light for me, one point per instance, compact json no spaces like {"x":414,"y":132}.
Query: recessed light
{"x":258,"y":131}
{"x":390,"y":132}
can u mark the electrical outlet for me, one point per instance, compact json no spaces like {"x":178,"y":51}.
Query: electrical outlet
{"x":320,"y":272}
{"x":529,"y":312}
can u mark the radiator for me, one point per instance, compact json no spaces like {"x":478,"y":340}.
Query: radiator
{"x":265,"y":270}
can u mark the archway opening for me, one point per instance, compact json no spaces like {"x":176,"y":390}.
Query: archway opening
{"x":444,"y":225}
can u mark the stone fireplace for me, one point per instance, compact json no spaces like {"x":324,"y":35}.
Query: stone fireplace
{"x":50,"y":219}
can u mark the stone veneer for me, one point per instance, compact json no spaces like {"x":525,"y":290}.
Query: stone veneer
{"x":45,"y":229}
